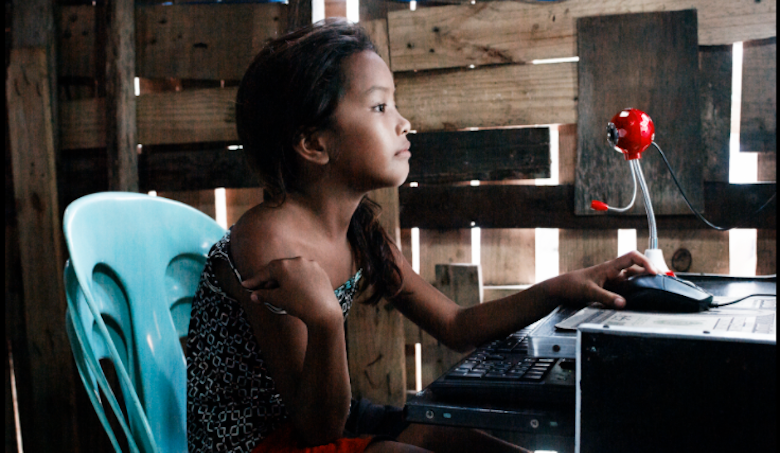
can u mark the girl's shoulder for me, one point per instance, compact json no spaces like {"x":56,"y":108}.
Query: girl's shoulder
{"x":260,"y":236}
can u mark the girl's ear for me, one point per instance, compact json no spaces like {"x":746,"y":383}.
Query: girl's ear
{"x":312,"y":147}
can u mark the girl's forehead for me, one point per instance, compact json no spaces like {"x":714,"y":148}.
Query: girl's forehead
{"x":366,"y":71}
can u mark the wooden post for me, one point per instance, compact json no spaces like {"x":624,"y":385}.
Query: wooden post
{"x":463,"y":284}
{"x":375,"y":335}
{"x":298,"y":14}
{"x":45,"y":372}
{"x":121,"y":140}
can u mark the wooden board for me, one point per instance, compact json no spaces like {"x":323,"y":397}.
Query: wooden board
{"x":767,"y":167}
{"x":375,"y":343}
{"x":204,"y":41}
{"x":202,"y":200}
{"x":189,"y":116}
{"x":489,"y":96}
{"x":238,"y":201}
{"x":508,"y":256}
{"x":503,"y":32}
{"x":375,"y":335}
{"x":46,"y":375}
{"x":649,"y":62}
{"x":766,"y":247}
{"x":715,"y":96}
{"x":462,"y":283}
{"x":190,"y":170}
{"x":76,"y":34}
{"x":579,"y":248}
{"x":443,"y":247}
{"x":216,"y":41}
{"x":758,"y":118}
{"x":691,"y":250}
{"x":516,"y":206}
{"x":485,"y":155}
{"x":121,"y":143}
{"x":431,"y":101}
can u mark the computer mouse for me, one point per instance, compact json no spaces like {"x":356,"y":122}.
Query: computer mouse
{"x":662,"y":293}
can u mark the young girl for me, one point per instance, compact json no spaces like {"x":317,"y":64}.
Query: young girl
{"x":266,"y":355}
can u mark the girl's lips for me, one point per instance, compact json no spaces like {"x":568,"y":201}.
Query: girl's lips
{"x":405,"y":151}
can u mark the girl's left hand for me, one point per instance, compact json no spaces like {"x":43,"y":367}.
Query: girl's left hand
{"x":588,"y":284}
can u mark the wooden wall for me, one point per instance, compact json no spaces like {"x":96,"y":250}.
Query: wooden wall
{"x":456,"y":67}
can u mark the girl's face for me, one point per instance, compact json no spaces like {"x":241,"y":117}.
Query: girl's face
{"x":371,"y":150}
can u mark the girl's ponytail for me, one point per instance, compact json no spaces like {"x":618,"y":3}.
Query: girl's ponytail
{"x":374,"y":252}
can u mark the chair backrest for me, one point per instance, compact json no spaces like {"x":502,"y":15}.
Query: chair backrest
{"x":137,"y":260}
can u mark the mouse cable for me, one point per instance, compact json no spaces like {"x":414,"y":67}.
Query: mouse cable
{"x":669,"y":166}
{"x":741,"y":299}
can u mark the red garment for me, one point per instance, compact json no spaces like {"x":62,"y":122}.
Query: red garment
{"x":282,"y":440}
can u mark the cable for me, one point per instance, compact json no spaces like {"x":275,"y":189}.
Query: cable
{"x":741,"y":299}
{"x":633,"y":197}
{"x":669,"y":166}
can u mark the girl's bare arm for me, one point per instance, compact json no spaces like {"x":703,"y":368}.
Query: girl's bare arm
{"x":305,"y":354}
{"x":465,"y":328}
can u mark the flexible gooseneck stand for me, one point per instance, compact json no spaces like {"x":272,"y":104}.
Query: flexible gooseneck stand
{"x":631,"y":132}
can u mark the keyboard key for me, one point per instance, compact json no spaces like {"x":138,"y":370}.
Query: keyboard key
{"x":533,"y":376}
{"x":470,"y":375}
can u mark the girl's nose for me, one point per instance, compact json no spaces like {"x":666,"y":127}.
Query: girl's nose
{"x":404,"y":126}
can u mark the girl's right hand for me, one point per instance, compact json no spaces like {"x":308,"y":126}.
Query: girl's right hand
{"x":296,"y":285}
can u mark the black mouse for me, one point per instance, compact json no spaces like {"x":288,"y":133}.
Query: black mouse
{"x":662,"y":293}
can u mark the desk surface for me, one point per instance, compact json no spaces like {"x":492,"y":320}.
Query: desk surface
{"x":547,"y":420}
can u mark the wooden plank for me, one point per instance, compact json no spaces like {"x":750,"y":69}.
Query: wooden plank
{"x":431,"y":101}
{"x":375,"y":335}
{"x":489,"y":96}
{"x":238,"y":201}
{"x":650,"y":62}
{"x":517,"y":206}
{"x":412,"y":333}
{"x":463,"y":284}
{"x":508,"y":256}
{"x":204,"y":41}
{"x":453,"y":207}
{"x":47,"y":380}
{"x":715,"y":96}
{"x":766,"y":246}
{"x":375,"y":343}
{"x":442,"y":247}
{"x":584,"y":248}
{"x":377,"y":30}
{"x":122,"y":155}
{"x":691,"y":250}
{"x":202,"y":169}
{"x":76,"y":34}
{"x":758,"y":118}
{"x":437,"y":247}
{"x":298,"y":14}
{"x":767,"y":167}
{"x":82,"y":124}
{"x":579,"y":248}
{"x":188,"y":116}
{"x":485,"y":155}
{"x":517,"y":32}
{"x":202,"y":200}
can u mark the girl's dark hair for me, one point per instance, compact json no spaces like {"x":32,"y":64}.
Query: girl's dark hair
{"x":291,"y":88}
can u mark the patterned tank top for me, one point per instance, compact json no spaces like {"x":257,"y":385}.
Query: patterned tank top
{"x":232,"y":401}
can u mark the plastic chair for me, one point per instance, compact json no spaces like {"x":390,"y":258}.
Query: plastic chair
{"x":135,"y":262}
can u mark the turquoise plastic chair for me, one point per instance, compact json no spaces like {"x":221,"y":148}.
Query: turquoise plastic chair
{"x":135,"y":262}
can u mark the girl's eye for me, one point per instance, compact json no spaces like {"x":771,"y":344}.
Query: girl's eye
{"x":380,"y":108}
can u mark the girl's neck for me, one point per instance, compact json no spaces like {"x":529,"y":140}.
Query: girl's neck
{"x":328,"y":215}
